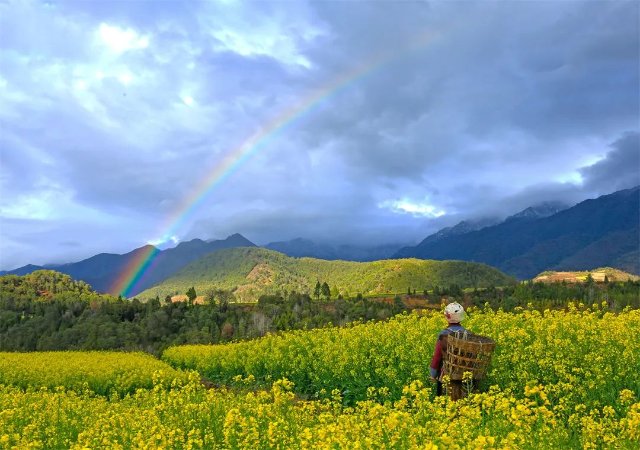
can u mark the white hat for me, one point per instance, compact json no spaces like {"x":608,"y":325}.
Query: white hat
{"x":454,"y":312}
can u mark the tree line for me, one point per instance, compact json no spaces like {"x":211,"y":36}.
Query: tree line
{"x":52,"y":312}
{"x":68,"y":324}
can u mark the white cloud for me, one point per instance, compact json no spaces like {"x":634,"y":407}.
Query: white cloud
{"x":572,"y":177}
{"x":47,"y":201}
{"x":125,"y":78}
{"x":120,"y":40}
{"x":187,"y":100}
{"x":417,"y":209}
{"x":266,"y":43}
{"x":264,"y":30}
{"x":40,"y":207}
{"x":164,"y":240}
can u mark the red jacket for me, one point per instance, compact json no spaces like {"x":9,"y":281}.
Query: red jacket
{"x":436,"y":360}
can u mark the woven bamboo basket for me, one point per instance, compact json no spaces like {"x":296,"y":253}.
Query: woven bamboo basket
{"x":467,"y":352}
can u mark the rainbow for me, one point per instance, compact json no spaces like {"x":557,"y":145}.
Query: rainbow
{"x":133,"y":273}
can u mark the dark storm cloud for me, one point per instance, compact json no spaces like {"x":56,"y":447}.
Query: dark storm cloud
{"x":119,"y":110}
{"x":368,"y":224}
{"x":491,"y":71}
{"x":620,"y":168}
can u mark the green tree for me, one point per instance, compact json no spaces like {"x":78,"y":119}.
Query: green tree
{"x":223,"y":298}
{"x":191,"y":295}
{"x":590,"y":288}
{"x":317,"y":290}
{"x":210,"y":296}
{"x":326,"y":291}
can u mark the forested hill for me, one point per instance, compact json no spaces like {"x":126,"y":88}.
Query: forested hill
{"x":47,"y":285}
{"x":252,"y":272}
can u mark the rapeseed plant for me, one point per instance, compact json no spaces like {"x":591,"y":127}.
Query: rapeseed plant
{"x":553,"y":384}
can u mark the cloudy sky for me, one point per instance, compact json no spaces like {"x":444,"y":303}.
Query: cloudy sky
{"x":129,"y":122}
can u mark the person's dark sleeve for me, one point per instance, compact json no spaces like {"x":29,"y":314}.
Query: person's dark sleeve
{"x":437,"y":359}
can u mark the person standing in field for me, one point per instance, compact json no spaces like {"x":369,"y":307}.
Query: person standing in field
{"x":454,"y":313}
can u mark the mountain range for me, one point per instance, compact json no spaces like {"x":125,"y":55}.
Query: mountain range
{"x":101,"y":271}
{"x":549,"y":236}
{"x":594,"y":233}
{"x":538,"y":211}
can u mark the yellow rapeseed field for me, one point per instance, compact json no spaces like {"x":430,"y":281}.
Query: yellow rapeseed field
{"x":96,"y":371}
{"x":560,"y":379}
{"x":580,"y":355}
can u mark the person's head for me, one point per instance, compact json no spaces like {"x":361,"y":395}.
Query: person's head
{"x":454,"y":312}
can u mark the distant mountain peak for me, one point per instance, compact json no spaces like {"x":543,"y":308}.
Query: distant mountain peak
{"x":235,"y":237}
{"x":539,"y":211}
{"x":238,"y":240}
{"x":24,"y":270}
{"x":466,"y":226}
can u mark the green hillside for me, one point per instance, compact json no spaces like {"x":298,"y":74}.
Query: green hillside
{"x":45,"y":285}
{"x":251,"y":272}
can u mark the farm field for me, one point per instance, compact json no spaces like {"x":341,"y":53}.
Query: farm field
{"x":559,"y":379}
{"x":571,"y":353}
{"x":104,"y":373}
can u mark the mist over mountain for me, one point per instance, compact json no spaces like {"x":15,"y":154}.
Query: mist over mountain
{"x":598,"y":232}
{"x":301,"y":247}
{"x":465,"y":226}
{"x":539,"y":211}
